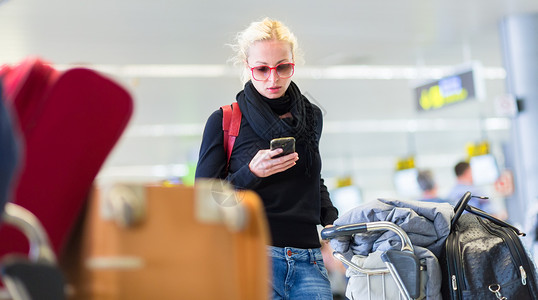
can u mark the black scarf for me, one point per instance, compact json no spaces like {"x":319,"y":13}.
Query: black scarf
{"x":280,"y":105}
{"x":267,"y":124}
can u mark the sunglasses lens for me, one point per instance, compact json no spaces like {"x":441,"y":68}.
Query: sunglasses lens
{"x":284,"y":70}
{"x":261,"y":72}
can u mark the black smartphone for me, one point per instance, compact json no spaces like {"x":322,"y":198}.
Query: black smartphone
{"x":286,"y":143}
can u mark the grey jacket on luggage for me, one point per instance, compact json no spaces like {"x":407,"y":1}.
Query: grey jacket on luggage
{"x":427,"y":225}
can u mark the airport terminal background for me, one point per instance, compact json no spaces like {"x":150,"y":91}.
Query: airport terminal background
{"x":372,"y":119}
{"x":370,"y":124}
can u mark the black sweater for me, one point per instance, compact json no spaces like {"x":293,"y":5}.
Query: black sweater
{"x":294,"y":202}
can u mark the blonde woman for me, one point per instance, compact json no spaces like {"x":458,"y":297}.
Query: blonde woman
{"x":294,"y":195}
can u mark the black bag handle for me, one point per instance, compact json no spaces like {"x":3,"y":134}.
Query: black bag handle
{"x":463,"y":205}
{"x":460,"y":207}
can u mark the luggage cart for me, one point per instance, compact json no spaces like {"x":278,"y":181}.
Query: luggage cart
{"x":402,"y":265}
{"x":37,"y":275}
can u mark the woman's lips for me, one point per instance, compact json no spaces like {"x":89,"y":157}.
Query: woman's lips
{"x":274,"y":89}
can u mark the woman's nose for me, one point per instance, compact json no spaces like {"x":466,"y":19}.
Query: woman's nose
{"x":273,"y":76}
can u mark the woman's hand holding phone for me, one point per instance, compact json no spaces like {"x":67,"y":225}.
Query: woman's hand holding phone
{"x":265,"y":164}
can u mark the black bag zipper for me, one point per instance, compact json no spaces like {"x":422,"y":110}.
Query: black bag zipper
{"x":506,"y":235}
{"x":453,"y":255}
{"x":524,"y":262}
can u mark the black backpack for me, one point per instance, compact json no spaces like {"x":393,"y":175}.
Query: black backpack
{"x":484,"y":258}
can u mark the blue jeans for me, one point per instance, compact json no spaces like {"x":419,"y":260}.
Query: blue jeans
{"x":299,"y":274}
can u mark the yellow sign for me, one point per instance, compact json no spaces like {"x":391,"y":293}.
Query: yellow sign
{"x":405,"y":163}
{"x":344,"y":181}
{"x":476,"y":149}
{"x":433,"y":98}
{"x":448,"y":90}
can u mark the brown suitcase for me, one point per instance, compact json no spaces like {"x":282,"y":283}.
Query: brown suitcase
{"x":170,"y":253}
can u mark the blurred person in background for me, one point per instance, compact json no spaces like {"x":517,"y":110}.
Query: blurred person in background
{"x":428,"y":186}
{"x":294,"y":194}
{"x":464,"y":183}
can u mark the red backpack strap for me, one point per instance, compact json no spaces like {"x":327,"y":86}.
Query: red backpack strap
{"x":226,"y":119}
{"x":231,"y":122}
